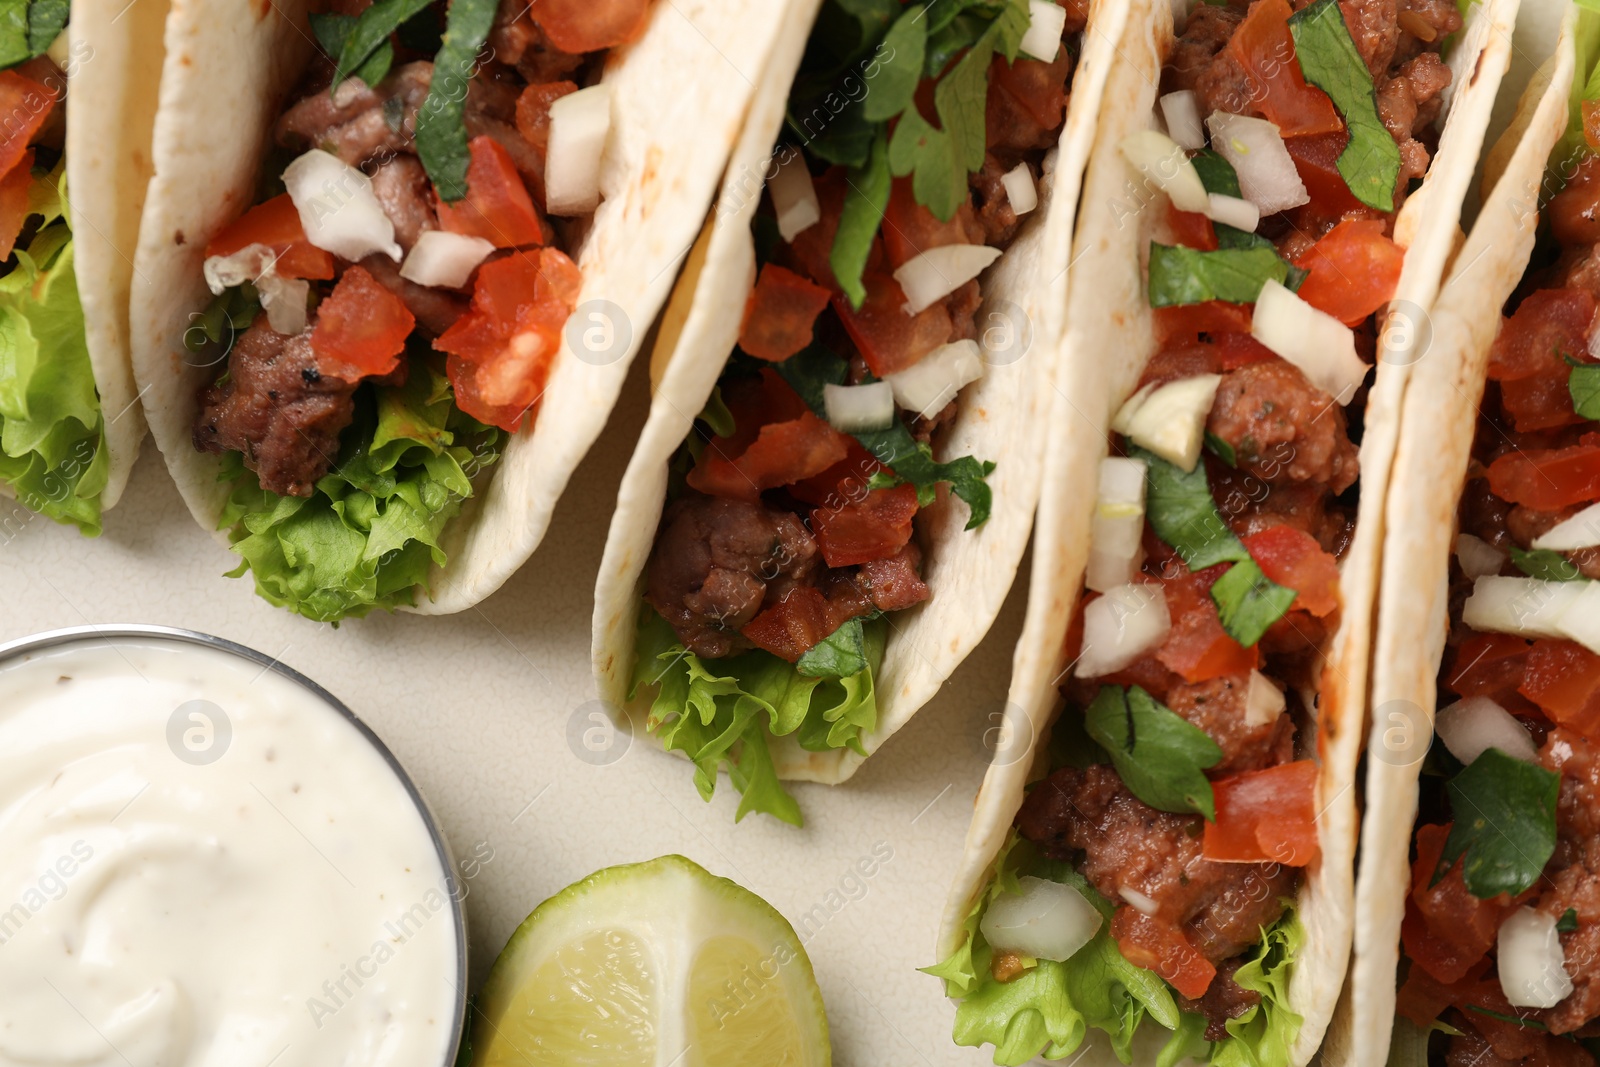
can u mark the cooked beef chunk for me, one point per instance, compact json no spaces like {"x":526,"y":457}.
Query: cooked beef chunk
{"x":357,"y":123}
{"x":1489,"y":1042}
{"x":1224,"y":1000}
{"x":1219,"y":907}
{"x":1282,"y":428}
{"x":277,"y":409}
{"x":896,"y":582}
{"x":993,"y":206}
{"x":1208,"y":30}
{"x":713,"y":563}
{"x":435,"y":309}
{"x":517,"y":40}
{"x":1574,"y":212}
{"x":1374,"y":26}
{"x":401,"y":186}
{"x":1217,"y":706}
{"x":963,"y":304}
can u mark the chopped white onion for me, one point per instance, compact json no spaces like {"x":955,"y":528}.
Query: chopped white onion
{"x":1046,"y":22}
{"x":934,"y":380}
{"x":1120,"y":626}
{"x":1579,"y":531}
{"x":1166,"y":164}
{"x":1022,"y":194}
{"x":1532,"y":965}
{"x":444,"y":259}
{"x":1267,"y":176}
{"x":1594,"y":338}
{"x":1047,"y":920}
{"x":1143,"y":904}
{"x":337,"y":207}
{"x":1477,"y":556}
{"x":1471,"y":726}
{"x":1581,"y":622}
{"x":580,"y":122}
{"x":794,"y":197}
{"x":1130,"y":407}
{"x":284,"y":301}
{"x":854,"y":408}
{"x":938,"y":272}
{"x":1263,"y":700}
{"x":1171,"y":420}
{"x":1320,"y":345}
{"x":246,"y":265}
{"x":1528,"y":606}
{"x":1181,"y":110}
{"x":1232,"y":211}
{"x":1116,"y":535}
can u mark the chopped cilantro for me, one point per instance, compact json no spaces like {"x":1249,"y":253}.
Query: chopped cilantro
{"x":1505,"y":823}
{"x":1545,"y":563}
{"x":1180,"y":276}
{"x":1160,"y":756}
{"x":441,"y":129}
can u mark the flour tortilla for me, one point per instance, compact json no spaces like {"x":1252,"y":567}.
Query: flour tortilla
{"x":1437,"y":428}
{"x":1000,"y":415}
{"x":679,"y":96}
{"x":1108,"y":312}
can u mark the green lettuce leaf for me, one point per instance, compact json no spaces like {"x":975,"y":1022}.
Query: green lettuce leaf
{"x":53,"y":456}
{"x":721,"y":712}
{"x":368,"y":534}
{"x":1049,"y":1008}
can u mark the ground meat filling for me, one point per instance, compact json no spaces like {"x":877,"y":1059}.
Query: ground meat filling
{"x":1282,"y":428}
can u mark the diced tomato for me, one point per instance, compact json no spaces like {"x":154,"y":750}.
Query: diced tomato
{"x":779,"y":316}
{"x":1146,"y":672}
{"x":1155,"y":944}
{"x":1292,"y":557}
{"x":782,"y":452}
{"x":793,"y":625}
{"x":1316,"y":159}
{"x":361,"y":328}
{"x":1423,"y":998}
{"x":1447,"y":930}
{"x":1235,"y":350}
{"x":533,"y":110}
{"x":26,"y":104}
{"x":276,"y":224}
{"x":1274,"y":84}
{"x":1197,"y":647}
{"x":1265,"y":816}
{"x":909,"y":228}
{"x":1354,"y":270}
{"x":842,"y":483}
{"x":1037,"y":87}
{"x":1563,"y":678}
{"x":876,"y":527}
{"x":1549,"y":479}
{"x":1180,"y":357}
{"x":578,"y":26}
{"x":497,"y":206}
{"x":14,"y":202}
{"x":1488,"y":665}
{"x":887,"y":338}
{"x":1529,"y":357}
{"x":808,"y":252}
{"x":1187,"y":322}
{"x":502,"y":349}
{"x":1191,"y":230}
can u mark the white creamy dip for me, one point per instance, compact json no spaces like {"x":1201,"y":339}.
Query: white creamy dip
{"x":236,"y":883}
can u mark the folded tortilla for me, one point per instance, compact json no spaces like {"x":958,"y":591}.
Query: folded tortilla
{"x":1107,"y":312}
{"x":679,"y":96}
{"x":1000,"y":416}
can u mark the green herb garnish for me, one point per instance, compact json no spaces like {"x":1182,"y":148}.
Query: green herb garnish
{"x":1160,"y":756}
{"x":1505,"y":823}
{"x":441,"y":129}
{"x":1180,"y":276}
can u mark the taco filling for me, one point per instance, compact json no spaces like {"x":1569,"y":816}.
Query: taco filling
{"x":790,"y":534}
{"x":1166,"y":846}
{"x":53,"y":455}
{"x":1502,"y":924}
{"x":392,"y":307}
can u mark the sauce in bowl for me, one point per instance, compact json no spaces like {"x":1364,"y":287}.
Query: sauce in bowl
{"x":205,"y":863}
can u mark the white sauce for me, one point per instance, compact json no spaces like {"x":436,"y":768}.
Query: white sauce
{"x":283,"y":903}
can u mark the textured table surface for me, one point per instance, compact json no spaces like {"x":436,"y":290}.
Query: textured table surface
{"x":488,"y":711}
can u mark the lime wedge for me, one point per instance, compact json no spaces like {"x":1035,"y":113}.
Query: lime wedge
{"x":657,"y":964}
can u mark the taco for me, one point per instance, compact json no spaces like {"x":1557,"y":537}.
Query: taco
{"x":74,"y":160}
{"x":433,"y":237}
{"x":1164,"y":871}
{"x":1478,"y":849}
{"x":835,"y":486}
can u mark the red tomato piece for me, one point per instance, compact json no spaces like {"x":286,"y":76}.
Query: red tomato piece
{"x":887,"y":338}
{"x":793,"y":625}
{"x":909,"y":229}
{"x":780,"y":314}
{"x":1423,"y":998}
{"x":876,"y":527}
{"x":1191,"y":230}
{"x":1563,"y":678}
{"x":1179,"y":358}
{"x":1212,"y":318}
{"x":14,"y":202}
{"x":1235,"y":350}
{"x":1316,"y":159}
{"x":1447,"y":930}
{"x":1549,"y":479}
{"x":26,"y":104}
{"x":1155,"y":944}
{"x":502,"y":349}
{"x":533,"y":111}
{"x":497,"y":206}
{"x":276,"y":224}
{"x":361,"y":328}
{"x":782,"y":452}
{"x":844,"y":482}
{"x":1488,"y":665}
{"x":808,"y":252}
{"x":1293,"y":558}
{"x":1038,"y":88}
{"x":1265,"y":816}
{"x":578,"y":26}
{"x":1354,"y":270}
{"x":1198,"y":648}
{"x":1529,"y":357}
{"x":1273,"y":84}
